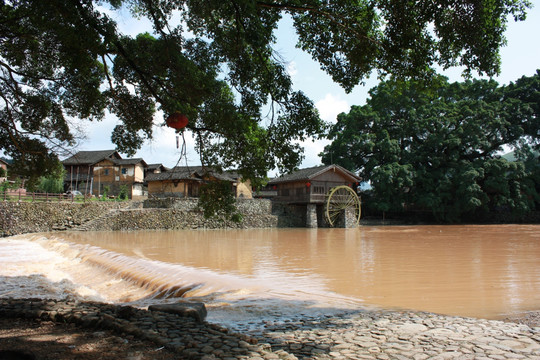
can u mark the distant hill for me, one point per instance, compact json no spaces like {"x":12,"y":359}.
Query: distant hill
{"x":510,"y":156}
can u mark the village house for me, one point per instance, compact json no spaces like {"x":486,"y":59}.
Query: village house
{"x":118,"y":173}
{"x":3,"y":172}
{"x":305,"y":192}
{"x":91,"y":172}
{"x":185,"y":182}
{"x":14,"y":181}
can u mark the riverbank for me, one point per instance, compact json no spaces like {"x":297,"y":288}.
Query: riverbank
{"x":176,"y":214}
{"x":183,"y":337}
{"x":353,"y":335}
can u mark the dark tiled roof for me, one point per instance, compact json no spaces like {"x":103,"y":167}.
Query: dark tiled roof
{"x":152,"y":167}
{"x":129,"y":161}
{"x":201,"y":171}
{"x":173,"y":174}
{"x":188,"y":173}
{"x":193,"y":169}
{"x":312,"y":172}
{"x":90,"y":157}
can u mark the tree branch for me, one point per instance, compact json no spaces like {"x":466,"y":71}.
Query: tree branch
{"x":328,"y":15}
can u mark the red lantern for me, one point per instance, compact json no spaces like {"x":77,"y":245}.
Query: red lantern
{"x":308,"y":184}
{"x":177,"y":121}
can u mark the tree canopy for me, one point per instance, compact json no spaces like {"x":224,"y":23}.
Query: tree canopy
{"x":66,"y":59}
{"x":438,"y":147}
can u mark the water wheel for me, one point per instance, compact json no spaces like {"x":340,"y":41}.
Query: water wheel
{"x":341,"y":198}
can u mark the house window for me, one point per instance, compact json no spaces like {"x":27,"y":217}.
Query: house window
{"x":106,"y":172}
{"x":124,"y":171}
{"x":318,"y":189}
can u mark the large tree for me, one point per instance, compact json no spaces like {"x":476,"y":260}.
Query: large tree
{"x":66,"y":59}
{"x":437,"y":146}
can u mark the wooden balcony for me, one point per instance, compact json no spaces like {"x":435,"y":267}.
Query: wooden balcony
{"x":302,"y":199}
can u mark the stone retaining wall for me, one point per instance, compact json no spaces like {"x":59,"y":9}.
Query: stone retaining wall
{"x":23,"y":217}
{"x":245,"y":206}
{"x":173,"y":219}
{"x":26,"y":217}
{"x":289,"y":215}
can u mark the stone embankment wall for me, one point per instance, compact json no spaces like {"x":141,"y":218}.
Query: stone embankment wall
{"x":21,"y":217}
{"x":27,"y":217}
{"x":289,"y":215}
{"x":244,"y":206}
{"x":173,"y":219}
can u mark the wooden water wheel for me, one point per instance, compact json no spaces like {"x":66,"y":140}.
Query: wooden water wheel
{"x":339,"y":199}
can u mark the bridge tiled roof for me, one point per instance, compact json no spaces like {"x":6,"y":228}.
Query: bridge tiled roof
{"x":307,"y":174}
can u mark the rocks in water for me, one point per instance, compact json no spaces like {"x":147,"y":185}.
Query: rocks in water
{"x":195,"y":310}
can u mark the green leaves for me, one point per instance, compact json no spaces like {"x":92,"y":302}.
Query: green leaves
{"x":216,"y":199}
{"x":343,"y":36}
{"x":217,"y":65}
{"x":436,"y":146}
{"x":54,"y":182}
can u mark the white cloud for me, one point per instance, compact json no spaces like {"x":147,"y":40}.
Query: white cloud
{"x":331,"y":106}
{"x":292,"y":70}
{"x":312,"y":149}
{"x":162,"y":148}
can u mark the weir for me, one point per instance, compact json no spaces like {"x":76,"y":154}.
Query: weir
{"x":151,"y":279}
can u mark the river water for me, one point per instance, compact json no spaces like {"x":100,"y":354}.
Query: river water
{"x":479,"y":271}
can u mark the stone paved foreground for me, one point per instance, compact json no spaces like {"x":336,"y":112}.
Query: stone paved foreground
{"x":405,"y":335}
{"x":359,"y":335}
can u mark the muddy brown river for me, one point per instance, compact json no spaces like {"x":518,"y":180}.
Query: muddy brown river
{"x":478,"y":271}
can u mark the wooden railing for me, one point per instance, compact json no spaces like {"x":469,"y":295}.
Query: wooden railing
{"x":17,"y":195}
{"x":310,"y":198}
{"x":304,"y":198}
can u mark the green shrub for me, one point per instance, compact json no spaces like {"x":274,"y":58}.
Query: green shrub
{"x":106,"y":190}
{"x":123,"y":195}
{"x":51,"y":184}
{"x":217,"y":199}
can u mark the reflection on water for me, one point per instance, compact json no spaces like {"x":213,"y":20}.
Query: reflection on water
{"x":482,"y":271}
{"x":479,"y":271}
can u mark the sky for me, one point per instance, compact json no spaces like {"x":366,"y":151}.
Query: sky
{"x":520,"y":57}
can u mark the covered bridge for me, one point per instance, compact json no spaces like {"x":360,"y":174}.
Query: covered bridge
{"x":309,"y":188}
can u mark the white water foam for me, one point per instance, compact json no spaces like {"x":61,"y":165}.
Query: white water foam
{"x":45,"y":266}
{"x":29,"y":270}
